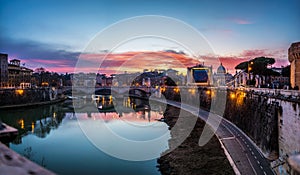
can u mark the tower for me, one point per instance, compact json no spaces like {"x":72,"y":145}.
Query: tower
{"x":3,"y":69}
{"x":294,"y":59}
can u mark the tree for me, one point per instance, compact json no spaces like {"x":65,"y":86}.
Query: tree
{"x":40,"y":70}
{"x":258,"y":66}
{"x":286,"y":71}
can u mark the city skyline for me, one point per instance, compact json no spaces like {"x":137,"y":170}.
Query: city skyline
{"x":53,"y":34}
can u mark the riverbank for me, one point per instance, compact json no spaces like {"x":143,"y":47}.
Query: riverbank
{"x":189,"y":158}
{"x":33,"y":104}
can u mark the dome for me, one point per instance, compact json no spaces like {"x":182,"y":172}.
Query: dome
{"x":221,"y":69}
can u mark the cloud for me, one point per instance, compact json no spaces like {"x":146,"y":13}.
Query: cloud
{"x":137,"y":61}
{"x":277,"y":53}
{"x":36,"y":54}
{"x":253,"y":53}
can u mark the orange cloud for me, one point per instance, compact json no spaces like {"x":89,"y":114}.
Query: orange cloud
{"x":134,"y":61}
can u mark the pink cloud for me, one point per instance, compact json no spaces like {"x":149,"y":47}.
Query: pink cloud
{"x":253,"y":53}
{"x":57,"y":62}
{"x":134,"y":61}
{"x":137,"y":61}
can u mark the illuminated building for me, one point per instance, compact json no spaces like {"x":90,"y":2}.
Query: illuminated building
{"x":12,"y":74}
{"x":199,"y":75}
{"x":18,"y":75}
{"x":294,"y":59}
{"x":221,"y":78}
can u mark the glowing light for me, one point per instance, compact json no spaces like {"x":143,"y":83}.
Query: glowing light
{"x":244,"y":94}
{"x":192,"y":91}
{"x":21,"y":122}
{"x":45,"y":84}
{"x":32,"y":127}
{"x":128,"y":100}
{"x":213,"y":94}
{"x":54,"y":114}
{"x":176,"y":90}
{"x":19,"y":91}
{"x":232,"y":95}
{"x":208,"y":92}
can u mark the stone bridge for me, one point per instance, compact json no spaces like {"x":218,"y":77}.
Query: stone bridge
{"x":139,"y":92}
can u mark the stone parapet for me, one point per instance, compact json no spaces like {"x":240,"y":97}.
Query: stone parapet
{"x":12,"y":163}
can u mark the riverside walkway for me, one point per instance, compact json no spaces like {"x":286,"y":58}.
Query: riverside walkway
{"x":244,"y":156}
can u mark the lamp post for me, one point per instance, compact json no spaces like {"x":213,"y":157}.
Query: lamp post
{"x":249,"y":69}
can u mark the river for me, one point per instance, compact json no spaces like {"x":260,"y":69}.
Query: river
{"x":53,"y":136}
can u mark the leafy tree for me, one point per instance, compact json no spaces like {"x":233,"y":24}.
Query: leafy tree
{"x":258,"y":66}
{"x":286,"y":71}
{"x":40,"y":70}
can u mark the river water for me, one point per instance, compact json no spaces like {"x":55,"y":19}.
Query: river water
{"x":52,"y":136}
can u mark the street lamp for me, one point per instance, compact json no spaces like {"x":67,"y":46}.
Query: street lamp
{"x":249,"y":69}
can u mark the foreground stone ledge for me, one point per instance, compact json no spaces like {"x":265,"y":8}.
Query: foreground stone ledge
{"x":13,"y":163}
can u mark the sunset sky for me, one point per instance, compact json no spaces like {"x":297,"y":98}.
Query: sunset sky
{"x":53,"y":33}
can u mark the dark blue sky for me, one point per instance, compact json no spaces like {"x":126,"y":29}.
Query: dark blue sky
{"x":53,"y":30}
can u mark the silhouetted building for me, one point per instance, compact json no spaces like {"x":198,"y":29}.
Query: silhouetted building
{"x":3,"y":70}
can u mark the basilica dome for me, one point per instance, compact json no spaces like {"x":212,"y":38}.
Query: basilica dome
{"x":221,"y":69}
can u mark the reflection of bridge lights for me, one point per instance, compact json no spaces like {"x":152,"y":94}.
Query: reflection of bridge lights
{"x":212,"y":93}
{"x":54,"y":114}
{"x":21,"y":122}
{"x":19,"y":91}
{"x":192,"y":91}
{"x":32,"y":127}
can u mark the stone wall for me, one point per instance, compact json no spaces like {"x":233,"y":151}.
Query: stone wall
{"x":271,"y":118}
{"x":26,"y":96}
{"x":257,"y":115}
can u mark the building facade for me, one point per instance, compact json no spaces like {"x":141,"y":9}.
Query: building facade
{"x":3,"y":70}
{"x":18,"y":76}
{"x":199,"y":75}
{"x":12,"y":74}
{"x":294,"y":59}
{"x":222,"y":77}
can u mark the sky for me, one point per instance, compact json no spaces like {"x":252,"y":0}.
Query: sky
{"x":54,"y":34}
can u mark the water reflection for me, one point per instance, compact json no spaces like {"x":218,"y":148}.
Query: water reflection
{"x":38,"y":121}
{"x":53,"y":135}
